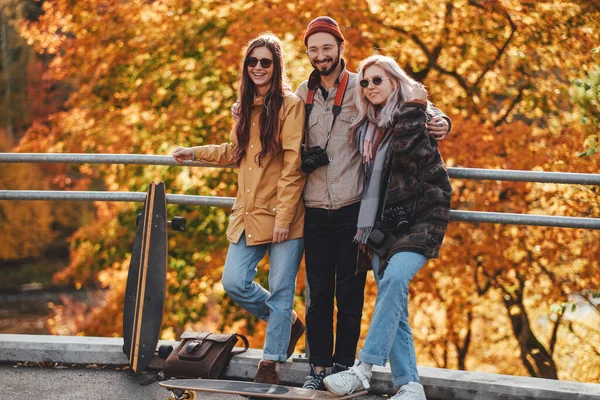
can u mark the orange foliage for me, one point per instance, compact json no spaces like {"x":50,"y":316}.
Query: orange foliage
{"x":153,"y":75}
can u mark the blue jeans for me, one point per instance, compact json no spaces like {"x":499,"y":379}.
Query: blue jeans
{"x":274,"y":305}
{"x":390,"y":336}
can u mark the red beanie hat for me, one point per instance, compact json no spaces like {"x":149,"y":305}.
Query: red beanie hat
{"x":323,"y":24}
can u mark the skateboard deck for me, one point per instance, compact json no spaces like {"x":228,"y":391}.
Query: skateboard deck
{"x":183,"y":389}
{"x":146,"y":281}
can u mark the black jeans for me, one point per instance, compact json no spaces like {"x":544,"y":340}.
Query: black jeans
{"x":331,"y":271}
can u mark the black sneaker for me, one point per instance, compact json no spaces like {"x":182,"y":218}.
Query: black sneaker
{"x":314,"y":381}
{"x":338,"y":368}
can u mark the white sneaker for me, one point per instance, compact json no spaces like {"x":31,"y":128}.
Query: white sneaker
{"x":410,"y":391}
{"x":349,"y":381}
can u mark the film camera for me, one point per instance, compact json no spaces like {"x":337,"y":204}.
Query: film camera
{"x":394,"y":222}
{"x":314,"y":158}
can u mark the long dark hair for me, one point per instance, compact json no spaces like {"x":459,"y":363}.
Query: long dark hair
{"x":269,"y":117}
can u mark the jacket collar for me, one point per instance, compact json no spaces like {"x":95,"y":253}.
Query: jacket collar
{"x":314,"y":80}
{"x":258,"y":101}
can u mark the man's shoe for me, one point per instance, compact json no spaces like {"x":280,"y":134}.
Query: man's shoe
{"x":314,"y":381}
{"x":267,"y":372}
{"x":347,"y":382}
{"x":298,"y":329}
{"x":410,"y":391}
{"x":338,"y":368}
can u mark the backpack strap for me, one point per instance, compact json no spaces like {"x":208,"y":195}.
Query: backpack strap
{"x":246,"y":345}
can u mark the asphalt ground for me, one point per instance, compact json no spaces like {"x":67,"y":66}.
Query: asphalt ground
{"x":51,"y":382}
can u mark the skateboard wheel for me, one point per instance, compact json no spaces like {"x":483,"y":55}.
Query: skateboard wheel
{"x":178,"y":224}
{"x":164,"y":351}
{"x":138,"y":219}
{"x":179,"y":394}
{"x":189,"y":395}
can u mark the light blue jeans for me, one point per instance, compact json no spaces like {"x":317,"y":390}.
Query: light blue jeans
{"x":390,"y":336}
{"x":274,"y":305}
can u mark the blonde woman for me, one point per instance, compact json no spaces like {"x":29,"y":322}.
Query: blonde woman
{"x":403,"y":215}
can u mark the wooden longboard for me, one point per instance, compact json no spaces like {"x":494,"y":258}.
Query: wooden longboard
{"x":146,"y":281}
{"x":183,"y":388}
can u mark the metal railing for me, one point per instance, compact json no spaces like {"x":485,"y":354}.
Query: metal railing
{"x":456,"y":173}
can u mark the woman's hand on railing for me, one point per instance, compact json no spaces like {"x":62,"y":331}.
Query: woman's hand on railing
{"x":182,"y":154}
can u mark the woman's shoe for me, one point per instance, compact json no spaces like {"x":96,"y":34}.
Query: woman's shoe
{"x":348,"y":382}
{"x":410,"y":391}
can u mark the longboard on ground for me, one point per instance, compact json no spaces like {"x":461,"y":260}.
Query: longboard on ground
{"x":146,"y":280}
{"x":188,"y":388}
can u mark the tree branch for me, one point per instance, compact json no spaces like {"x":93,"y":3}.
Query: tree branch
{"x":488,"y":66}
{"x":591,"y":303}
{"x":554,"y":336}
{"x":581,"y":339}
{"x":463,"y":349}
{"x":432,"y":56}
{"x":461,"y":81}
{"x":491,"y":278}
{"x":513,"y":104}
{"x":414,"y":37}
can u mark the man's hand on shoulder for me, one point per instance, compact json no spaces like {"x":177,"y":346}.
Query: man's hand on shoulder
{"x":235,"y":110}
{"x":438,"y":128}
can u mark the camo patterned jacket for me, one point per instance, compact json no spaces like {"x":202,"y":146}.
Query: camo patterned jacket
{"x":416,"y":179}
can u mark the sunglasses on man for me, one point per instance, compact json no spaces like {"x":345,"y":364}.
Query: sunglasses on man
{"x":253,"y":62}
{"x":364,"y":83}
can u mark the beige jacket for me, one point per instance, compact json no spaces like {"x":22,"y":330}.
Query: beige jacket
{"x":272,"y":194}
{"x":340,"y":183}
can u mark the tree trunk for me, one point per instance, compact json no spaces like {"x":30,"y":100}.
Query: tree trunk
{"x":534,"y":355}
{"x":463,"y":349}
{"x":5,"y":69}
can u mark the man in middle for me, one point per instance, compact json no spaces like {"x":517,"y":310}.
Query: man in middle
{"x":332,"y":198}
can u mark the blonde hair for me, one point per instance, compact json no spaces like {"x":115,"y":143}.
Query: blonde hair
{"x":402,"y":88}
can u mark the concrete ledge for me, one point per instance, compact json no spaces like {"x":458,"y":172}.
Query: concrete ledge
{"x":439,"y":383}
{"x":62,"y":349}
{"x":452,"y":384}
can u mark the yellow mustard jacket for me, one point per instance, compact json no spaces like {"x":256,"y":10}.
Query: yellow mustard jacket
{"x":272,"y":194}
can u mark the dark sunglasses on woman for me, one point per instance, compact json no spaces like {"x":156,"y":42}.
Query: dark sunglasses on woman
{"x":253,"y":62}
{"x":376,"y":81}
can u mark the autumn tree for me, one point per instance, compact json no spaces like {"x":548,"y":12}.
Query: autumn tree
{"x":153,"y":75}
{"x":14,"y":58}
{"x":586,"y":94}
{"x":26,"y":227}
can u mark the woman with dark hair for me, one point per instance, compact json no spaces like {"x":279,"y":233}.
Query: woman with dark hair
{"x":403,"y":215}
{"x":268,"y":214}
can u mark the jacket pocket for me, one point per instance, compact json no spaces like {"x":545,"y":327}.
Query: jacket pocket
{"x":346,"y":120}
{"x":236,"y":210}
{"x":311,"y":124}
{"x":261,"y":220}
{"x":268,"y":207}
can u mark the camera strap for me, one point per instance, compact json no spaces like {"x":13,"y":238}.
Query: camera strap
{"x":337,"y":106}
{"x":419,"y":188}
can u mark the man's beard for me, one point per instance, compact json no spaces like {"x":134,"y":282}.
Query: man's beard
{"x":329,"y":70}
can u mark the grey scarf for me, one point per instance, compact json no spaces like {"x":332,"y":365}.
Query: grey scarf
{"x":374,"y":165}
